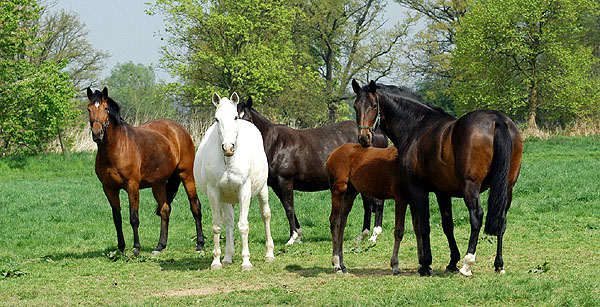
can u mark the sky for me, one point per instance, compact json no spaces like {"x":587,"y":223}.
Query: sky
{"x":123,"y":29}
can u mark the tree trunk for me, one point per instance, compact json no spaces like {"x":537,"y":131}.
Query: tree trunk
{"x":532,"y":107}
{"x":63,"y":147}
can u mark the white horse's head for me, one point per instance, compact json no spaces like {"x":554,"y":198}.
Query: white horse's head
{"x":226,"y":117}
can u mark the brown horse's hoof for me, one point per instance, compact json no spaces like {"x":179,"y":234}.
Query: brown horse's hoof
{"x":426,"y":272}
{"x":452,"y":268}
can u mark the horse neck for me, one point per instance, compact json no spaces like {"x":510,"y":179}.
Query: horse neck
{"x":261,"y":122}
{"x":401,"y":117}
{"x":114,"y":138}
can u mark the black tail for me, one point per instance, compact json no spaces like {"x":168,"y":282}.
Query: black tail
{"x":498,"y":200}
{"x":172,"y":188}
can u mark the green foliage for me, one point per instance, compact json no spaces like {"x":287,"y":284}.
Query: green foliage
{"x":134,"y":87}
{"x":437,"y":92}
{"x":35,"y":100}
{"x":527,"y":58}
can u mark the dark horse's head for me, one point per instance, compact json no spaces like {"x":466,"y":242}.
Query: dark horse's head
{"x":244,"y":110}
{"x":101,"y":109}
{"x":368,"y":114}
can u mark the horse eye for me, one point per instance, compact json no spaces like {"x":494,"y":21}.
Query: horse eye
{"x":217,"y":120}
{"x":237,"y":117}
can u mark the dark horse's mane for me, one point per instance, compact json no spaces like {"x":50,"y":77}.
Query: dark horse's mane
{"x":416,"y":107}
{"x":114,"y":110}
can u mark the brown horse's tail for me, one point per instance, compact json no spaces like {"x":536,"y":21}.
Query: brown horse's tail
{"x":498,"y":199}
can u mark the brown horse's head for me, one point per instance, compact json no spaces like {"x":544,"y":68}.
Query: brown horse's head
{"x":368,"y":115}
{"x":98,"y":110}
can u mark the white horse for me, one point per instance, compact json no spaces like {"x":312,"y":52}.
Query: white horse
{"x":231,"y":167}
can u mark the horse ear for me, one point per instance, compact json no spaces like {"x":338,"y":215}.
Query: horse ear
{"x":372,"y":87}
{"x":90,"y":94}
{"x":105,"y":93}
{"x":215,"y":99}
{"x":249,"y":102}
{"x":234,"y":98}
{"x":355,"y":86}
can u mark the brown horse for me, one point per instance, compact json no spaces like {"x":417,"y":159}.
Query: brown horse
{"x":297,"y":162}
{"x":158,"y":154}
{"x":375,"y":173}
{"x":448,"y":156}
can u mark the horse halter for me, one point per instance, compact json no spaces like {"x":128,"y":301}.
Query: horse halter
{"x":104,"y":125}
{"x":377,"y":119}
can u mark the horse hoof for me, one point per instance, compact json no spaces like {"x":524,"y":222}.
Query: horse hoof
{"x":373,"y":239}
{"x":269,"y":259}
{"x":466,"y":272}
{"x":426,"y":272}
{"x":396,"y":272}
{"x":501,"y":271}
{"x":247,"y":267}
{"x":452,"y":268}
{"x":227,"y":262}
{"x":216,"y":266}
{"x":199,"y":248}
{"x":155,"y":253}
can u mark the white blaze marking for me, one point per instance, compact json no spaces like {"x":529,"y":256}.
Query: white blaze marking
{"x":97,"y":105}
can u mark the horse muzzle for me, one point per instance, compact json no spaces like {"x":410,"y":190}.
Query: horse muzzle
{"x":227,"y":149}
{"x":365,"y":139}
{"x":97,"y":136}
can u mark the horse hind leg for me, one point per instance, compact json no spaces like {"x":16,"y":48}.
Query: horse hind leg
{"x":499,"y":262}
{"x":377,"y":229}
{"x":366,"y":229}
{"x":476,"y":218}
{"x":285,"y":191}
{"x":190,"y":188}
{"x":163,"y":209}
{"x":265,"y":212}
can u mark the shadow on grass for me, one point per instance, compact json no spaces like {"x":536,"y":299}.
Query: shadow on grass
{"x":185,"y":264}
{"x":359,"y":272}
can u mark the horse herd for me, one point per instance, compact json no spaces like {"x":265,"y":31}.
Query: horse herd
{"x":243,"y":153}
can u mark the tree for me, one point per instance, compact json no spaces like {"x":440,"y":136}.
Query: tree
{"x":62,"y":36}
{"x":134,"y":87}
{"x":349,"y":40}
{"x":526,"y":58}
{"x":35,"y":100}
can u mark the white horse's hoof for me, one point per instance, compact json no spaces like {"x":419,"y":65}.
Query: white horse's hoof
{"x":269,"y":258}
{"x":155,"y":253}
{"x":465,"y":271}
{"x":373,"y":239}
{"x":247,"y":267}
{"x":501,"y":272}
{"x":216,"y":266}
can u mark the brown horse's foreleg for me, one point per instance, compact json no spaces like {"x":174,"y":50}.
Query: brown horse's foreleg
{"x":190,"y":188}
{"x":420,"y":215}
{"x":113,"y":199}
{"x":399,"y":215}
{"x":134,"y":219}
{"x":445,"y":204}
{"x":347,"y":202}
{"x":471,"y":192}
{"x":164,"y":211}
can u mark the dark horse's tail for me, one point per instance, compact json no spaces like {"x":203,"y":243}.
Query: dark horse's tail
{"x":498,"y":199}
{"x":172,"y":187}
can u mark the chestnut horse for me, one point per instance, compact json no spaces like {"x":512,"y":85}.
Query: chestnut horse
{"x":374,"y":172}
{"x":450,"y":157}
{"x":297,"y":162}
{"x":158,"y":154}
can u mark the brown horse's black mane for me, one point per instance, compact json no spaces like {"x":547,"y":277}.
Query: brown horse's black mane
{"x":114,"y":110}
{"x":407,"y":100}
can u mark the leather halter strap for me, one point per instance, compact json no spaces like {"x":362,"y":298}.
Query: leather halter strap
{"x":377,"y":119}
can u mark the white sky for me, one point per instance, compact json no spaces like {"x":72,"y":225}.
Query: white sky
{"x":122,"y":28}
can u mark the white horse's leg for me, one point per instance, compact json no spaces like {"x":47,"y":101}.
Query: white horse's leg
{"x":228,"y":217}
{"x":265,"y":212}
{"x":217,"y":222}
{"x":244,"y":197}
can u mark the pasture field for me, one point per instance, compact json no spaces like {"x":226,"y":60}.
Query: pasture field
{"x":58,"y":241}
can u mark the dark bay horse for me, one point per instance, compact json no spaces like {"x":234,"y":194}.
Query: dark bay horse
{"x":450,"y":157}
{"x":158,"y":154}
{"x":374,"y":172}
{"x":297,"y":161}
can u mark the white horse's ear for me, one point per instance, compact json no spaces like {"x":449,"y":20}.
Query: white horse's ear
{"x":215,"y":99}
{"x":235,"y":98}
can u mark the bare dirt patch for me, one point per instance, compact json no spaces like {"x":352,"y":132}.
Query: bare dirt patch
{"x":209,"y":290}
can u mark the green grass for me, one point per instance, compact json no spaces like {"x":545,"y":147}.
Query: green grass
{"x":57,"y":242}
